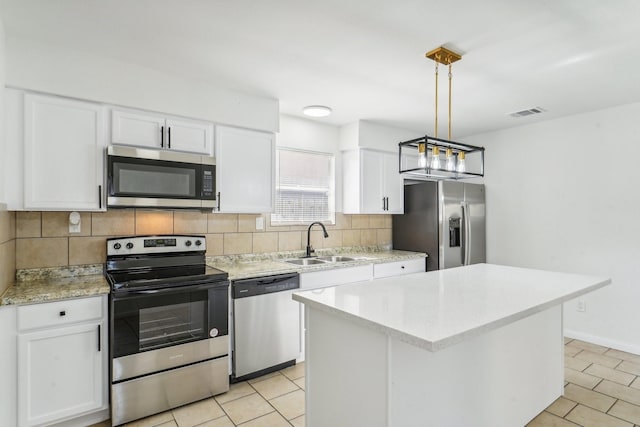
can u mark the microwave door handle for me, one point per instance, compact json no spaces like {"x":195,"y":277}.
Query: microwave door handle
{"x":218,"y":208}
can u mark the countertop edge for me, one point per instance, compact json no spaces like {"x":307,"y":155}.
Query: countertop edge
{"x":364,"y":258}
{"x":454,"y":339}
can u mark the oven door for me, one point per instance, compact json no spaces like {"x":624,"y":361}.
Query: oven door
{"x":150,"y":178}
{"x":145,"y":320}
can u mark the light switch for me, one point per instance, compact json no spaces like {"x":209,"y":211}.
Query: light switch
{"x":259,"y":223}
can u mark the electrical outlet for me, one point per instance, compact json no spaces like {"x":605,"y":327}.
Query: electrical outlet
{"x":259,"y":223}
{"x":581,"y":306}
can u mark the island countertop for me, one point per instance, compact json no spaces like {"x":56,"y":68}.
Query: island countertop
{"x":437,"y":309}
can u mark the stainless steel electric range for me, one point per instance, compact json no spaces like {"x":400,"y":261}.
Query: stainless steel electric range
{"x":169,"y":340}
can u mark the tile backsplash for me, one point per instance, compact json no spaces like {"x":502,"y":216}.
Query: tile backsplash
{"x":7,"y":248}
{"x":42,"y":239}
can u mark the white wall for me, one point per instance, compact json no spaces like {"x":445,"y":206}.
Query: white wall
{"x":311,"y":135}
{"x":52,"y":69}
{"x":563,"y":195}
{"x":2,"y":139}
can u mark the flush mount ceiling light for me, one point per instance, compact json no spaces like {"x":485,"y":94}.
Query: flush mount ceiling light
{"x":316,"y":111}
{"x":420,"y":158}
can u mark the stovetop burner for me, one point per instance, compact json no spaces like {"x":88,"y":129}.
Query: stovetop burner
{"x":155,"y":262}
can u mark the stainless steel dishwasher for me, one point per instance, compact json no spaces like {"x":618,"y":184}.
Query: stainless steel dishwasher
{"x":266,"y":325}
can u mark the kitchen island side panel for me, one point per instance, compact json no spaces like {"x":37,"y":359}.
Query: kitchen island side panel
{"x":503,"y":378}
{"x":346,"y":373}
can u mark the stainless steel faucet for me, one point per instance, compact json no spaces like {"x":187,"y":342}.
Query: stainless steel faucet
{"x":309,"y":248}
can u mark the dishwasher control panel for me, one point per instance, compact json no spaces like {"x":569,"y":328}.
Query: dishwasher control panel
{"x":264,"y":285}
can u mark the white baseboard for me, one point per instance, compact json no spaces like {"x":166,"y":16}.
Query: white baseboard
{"x":622,"y":346}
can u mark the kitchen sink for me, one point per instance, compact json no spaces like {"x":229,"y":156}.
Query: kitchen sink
{"x":305,"y":261}
{"x":336,"y":258}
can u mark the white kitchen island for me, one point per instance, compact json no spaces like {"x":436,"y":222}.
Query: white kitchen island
{"x":480,"y":345}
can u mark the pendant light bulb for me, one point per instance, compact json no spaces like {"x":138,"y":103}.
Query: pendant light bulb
{"x":422,"y":155}
{"x":451,"y":160}
{"x":461,"y":167}
{"x":435,"y":158}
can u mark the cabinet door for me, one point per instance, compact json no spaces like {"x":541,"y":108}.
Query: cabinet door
{"x":393,"y":184}
{"x":190,"y":136}
{"x":244,"y":167}
{"x":63,"y":154}
{"x":60,"y":373}
{"x":372,"y":170}
{"x":142,"y":130}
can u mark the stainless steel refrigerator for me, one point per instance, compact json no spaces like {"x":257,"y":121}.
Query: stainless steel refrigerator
{"x":445,"y":219}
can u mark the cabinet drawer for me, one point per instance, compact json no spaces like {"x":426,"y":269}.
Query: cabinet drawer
{"x":399,"y":268}
{"x":58,"y":313}
{"x":339,"y":276}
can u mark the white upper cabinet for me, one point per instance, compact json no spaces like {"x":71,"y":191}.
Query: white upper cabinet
{"x":64,"y":143}
{"x":143,"y":129}
{"x":245,"y":170}
{"x":371,"y":183}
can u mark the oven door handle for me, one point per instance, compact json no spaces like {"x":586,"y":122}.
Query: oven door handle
{"x":167,"y":290}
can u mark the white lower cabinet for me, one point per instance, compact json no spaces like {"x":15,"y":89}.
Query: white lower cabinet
{"x":399,"y":268}
{"x":62,"y":360}
{"x":333,"y":277}
{"x":8,"y":355}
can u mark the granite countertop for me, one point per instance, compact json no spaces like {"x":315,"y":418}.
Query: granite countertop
{"x":247,"y":266}
{"x":50,"y":284}
{"x":56,"y":283}
{"x":437,"y":309}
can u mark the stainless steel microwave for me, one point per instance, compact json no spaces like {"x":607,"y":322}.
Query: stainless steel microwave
{"x":138,"y":177}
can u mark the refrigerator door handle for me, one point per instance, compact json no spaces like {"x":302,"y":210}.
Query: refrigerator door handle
{"x":466,"y":221}
{"x":463,"y":240}
{"x":466,"y":233}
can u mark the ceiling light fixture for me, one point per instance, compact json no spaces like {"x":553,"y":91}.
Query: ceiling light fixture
{"x":316,"y":111}
{"x":421,"y":157}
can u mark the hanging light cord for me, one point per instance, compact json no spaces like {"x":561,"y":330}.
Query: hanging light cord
{"x":436,"y":126}
{"x":450,"y":76}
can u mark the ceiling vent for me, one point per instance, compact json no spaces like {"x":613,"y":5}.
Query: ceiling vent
{"x":527,"y":112}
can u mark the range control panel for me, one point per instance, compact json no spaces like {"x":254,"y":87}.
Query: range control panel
{"x":155,"y":244}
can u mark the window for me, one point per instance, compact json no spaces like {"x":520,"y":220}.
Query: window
{"x":305,"y":187}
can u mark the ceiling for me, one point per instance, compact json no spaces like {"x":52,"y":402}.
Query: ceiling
{"x":365,"y":58}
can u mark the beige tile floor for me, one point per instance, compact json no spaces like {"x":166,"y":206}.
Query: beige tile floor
{"x":602,"y":389}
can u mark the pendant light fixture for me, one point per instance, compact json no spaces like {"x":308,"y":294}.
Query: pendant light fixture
{"x":429,"y":164}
